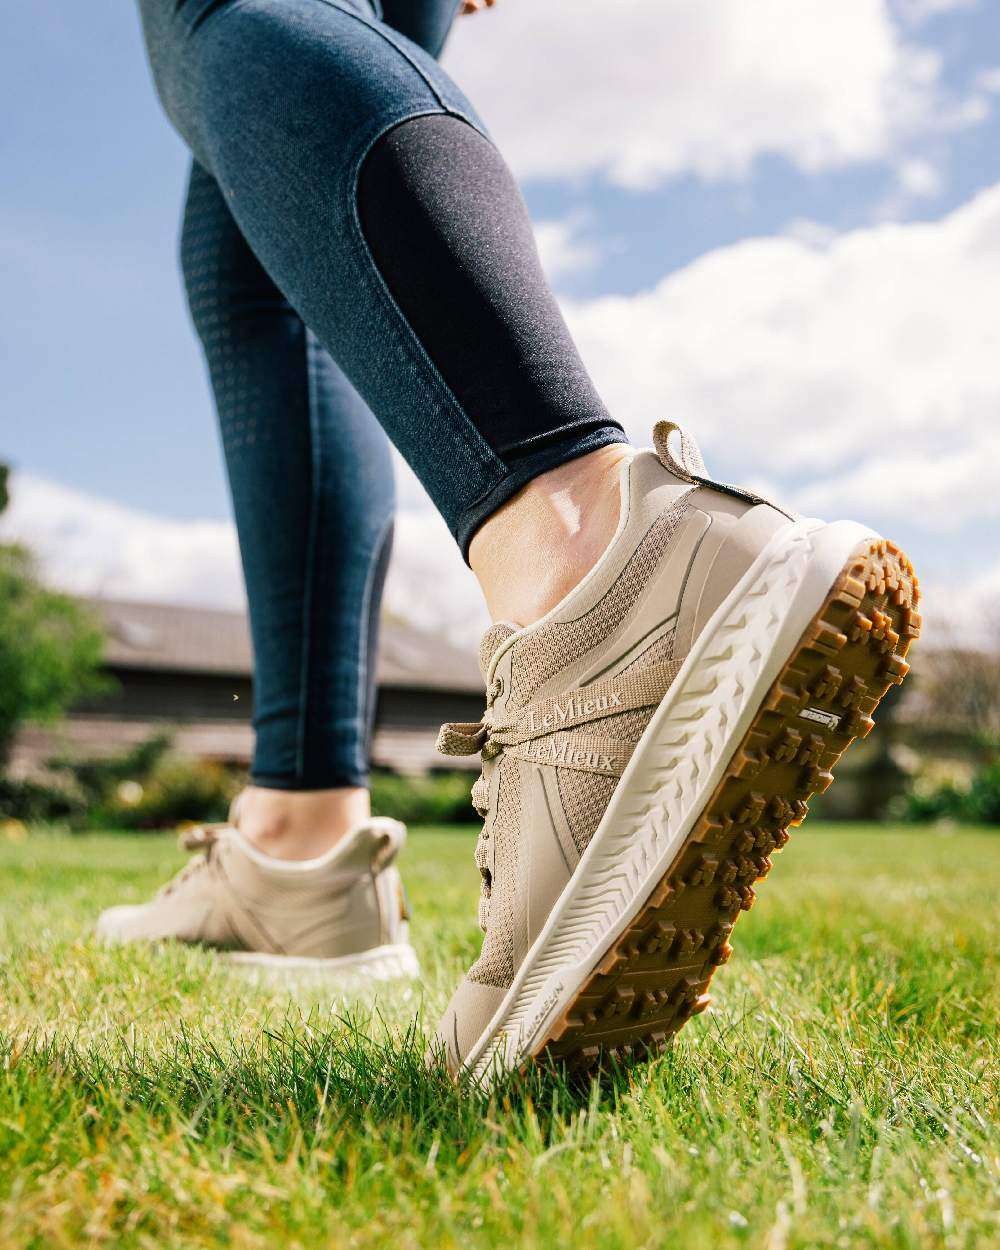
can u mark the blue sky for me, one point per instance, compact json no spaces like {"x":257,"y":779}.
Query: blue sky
{"x":102,"y":387}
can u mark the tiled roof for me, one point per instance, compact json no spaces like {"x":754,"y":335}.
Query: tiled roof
{"x":200,"y":640}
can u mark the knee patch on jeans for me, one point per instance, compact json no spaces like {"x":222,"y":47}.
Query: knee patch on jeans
{"x":450,"y":235}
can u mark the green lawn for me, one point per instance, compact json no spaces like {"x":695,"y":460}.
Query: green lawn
{"x":840,"y":1093}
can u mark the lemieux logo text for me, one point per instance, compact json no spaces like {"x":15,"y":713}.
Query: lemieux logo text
{"x":574,"y":708}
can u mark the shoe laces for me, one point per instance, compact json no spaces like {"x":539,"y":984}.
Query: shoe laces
{"x":485,"y":737}
{"x":564,"y":716}
{"x":460,"y":738}
{"x":201,"y":839}
{"x":491,"y":737}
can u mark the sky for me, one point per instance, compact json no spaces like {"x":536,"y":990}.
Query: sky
{"x":776,"y":223}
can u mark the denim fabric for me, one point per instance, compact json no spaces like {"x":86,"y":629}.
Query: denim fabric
{"x":280,"y":102}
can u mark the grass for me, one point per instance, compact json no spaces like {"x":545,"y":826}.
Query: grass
{"x":840,"y":1093}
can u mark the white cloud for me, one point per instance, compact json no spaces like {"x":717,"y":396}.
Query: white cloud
{"x":920,"y":10}
{"x":640,"y":90}
{"x":919,"y":178}
{"x":950,"y":489}
{"x":857,"y":373}
{"x":916,"y":179}
{"x":810,"y":233}
{"x":989,"y":80}
{"x":814,"y":366}
{"x":561,"y":248}
{"x":90,"y":546}
{"x":429,"y":584}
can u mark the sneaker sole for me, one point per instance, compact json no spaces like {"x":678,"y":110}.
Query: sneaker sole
{"x":381,"y":963}
{"x":780,"y":682}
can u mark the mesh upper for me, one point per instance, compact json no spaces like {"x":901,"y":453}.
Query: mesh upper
{"x":490,"y":644}
{"x":497,"y":851}
{"x":554,"y":646}
{"x":536,"y":659}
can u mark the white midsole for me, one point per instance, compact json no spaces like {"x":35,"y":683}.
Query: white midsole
{"x":380,"y":963}
{"x":678,"y":763}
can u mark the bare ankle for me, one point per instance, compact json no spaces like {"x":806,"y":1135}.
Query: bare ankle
{"x":299,"y":824}
{"x":542,"y":542}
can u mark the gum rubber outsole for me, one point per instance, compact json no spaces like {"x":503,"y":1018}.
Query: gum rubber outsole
{"x":655,"y":977}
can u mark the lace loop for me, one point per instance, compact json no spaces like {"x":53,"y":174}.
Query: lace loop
{"x":548,"y":717}
{"x":461,"y":738}
{"x":200,"y":837}
{"x":690,"y":467}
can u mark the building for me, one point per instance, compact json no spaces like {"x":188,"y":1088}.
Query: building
{"x":189,"y":670}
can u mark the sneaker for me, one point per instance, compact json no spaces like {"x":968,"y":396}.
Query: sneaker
{"x":646,"y":746}
{"x":340,"y":918}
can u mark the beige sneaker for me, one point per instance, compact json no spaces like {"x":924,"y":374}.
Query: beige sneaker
{"x":340,"y":918}
{"x":646,"y":745}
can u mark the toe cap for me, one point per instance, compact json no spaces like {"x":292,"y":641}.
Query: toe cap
{"x":465,"y":1020}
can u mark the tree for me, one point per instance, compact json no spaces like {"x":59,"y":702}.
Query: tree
{"x":958,"y":686}
{"x":50,"y":647}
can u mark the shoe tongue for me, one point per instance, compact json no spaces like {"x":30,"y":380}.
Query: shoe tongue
{"x":491,"y":642}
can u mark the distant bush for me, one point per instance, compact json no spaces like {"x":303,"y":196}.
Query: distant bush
{"x":143,"y":787}
{"x":50,"y":646}
{"x":177,"y":790}
{"x":41,"y":800}
{"x":983,"y":800}
{"x":979,"y":802}
{"x":433,"y":799}
{"x":98,"y":778}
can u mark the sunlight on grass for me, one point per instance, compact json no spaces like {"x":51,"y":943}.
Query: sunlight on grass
{"x":841,"y":1091}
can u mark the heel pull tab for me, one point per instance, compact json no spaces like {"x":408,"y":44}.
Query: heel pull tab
{"x":386,"y":839}
{"x":690,"y":467}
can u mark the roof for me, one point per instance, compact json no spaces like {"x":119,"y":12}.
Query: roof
{"x":169,"y":638}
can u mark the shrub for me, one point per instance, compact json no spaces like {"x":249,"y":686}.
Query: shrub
{"x":983,"y":799}
{"x":979,"y":802}
{"x":177,"y":790}
{"x":143,"y":787}
{"x":41,"y":800}
{"x":50,"y":648}
{"x":99,"y":778}
{"x":433,"y":799}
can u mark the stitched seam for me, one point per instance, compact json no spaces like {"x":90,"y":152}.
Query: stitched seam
{"x":554,"y":829}
{"x":207,"y":15}
{"x":424,"y":374}
{"x":364,"y":659}
{"x":683,"y":506}
{"x":310,"y":557}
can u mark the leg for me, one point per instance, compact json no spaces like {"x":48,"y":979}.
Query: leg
{"x":647,"y":742}
{"x":427,"y":288}
{"x":312,"y":486}
{"x":423,"y":22}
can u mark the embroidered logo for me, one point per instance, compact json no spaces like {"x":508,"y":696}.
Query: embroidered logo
{"x":574,"y":708}
{"x":571,"y":757}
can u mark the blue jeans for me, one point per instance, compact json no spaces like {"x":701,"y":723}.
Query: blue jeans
{"x":280,"y":103}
